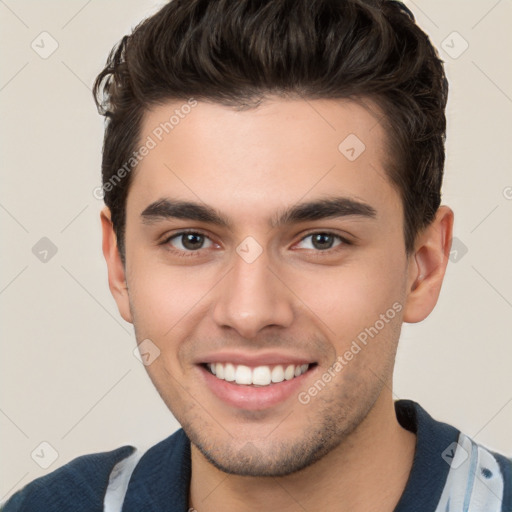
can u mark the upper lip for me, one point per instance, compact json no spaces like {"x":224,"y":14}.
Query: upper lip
{"x":257,"y":359}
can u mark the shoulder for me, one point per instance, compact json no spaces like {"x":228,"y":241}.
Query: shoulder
{"x":79,"y":485}
{"x":505,"y":465}
{"x":478,"y":476}
{"x":451,"y":469}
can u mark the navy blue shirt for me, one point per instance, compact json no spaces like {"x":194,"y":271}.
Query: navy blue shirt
{"x":450,"y":473}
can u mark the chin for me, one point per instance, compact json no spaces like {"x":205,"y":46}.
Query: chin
{"x":266,"y":456}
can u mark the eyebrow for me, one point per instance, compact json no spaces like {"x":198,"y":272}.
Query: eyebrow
{"x":334,"y":207}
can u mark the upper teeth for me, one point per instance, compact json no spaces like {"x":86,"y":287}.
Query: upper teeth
{"x":261,"y":375}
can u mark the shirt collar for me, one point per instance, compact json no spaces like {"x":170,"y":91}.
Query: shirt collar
{"x":429,"y":470}
{"x":161,"y":480}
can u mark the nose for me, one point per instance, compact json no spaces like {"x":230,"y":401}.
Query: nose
{"x":252,"y":297}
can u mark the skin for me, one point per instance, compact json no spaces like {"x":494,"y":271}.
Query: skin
{"x":344,"y":449}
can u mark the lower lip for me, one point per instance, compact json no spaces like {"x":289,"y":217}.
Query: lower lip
{"x":253,"y":398}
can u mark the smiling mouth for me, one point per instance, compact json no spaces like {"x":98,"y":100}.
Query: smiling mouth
{"x":259,"y":375}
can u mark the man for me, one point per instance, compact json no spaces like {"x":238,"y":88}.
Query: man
{"x":272,"y":174}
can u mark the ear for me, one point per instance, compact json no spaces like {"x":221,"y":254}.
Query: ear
{"x":427,"y":266}
{"x":116,"y":270}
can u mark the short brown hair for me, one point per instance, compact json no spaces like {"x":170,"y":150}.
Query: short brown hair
{"x":237,"y":52}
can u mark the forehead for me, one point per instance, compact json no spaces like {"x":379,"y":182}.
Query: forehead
{"x":260,"y":158}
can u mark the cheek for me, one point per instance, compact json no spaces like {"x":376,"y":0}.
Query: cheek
{"x":163,"y":297}
{"x":352,"y":297}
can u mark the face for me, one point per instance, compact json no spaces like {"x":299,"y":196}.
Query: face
{"x":266,"y":264}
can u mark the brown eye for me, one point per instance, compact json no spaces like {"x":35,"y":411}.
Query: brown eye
{"x":321,"y":241}
{"x":192,"y":241}
{"x":189,"y":241}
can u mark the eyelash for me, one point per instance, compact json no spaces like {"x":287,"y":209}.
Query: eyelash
{"x":190,"y":253}
{"x":183,"y":254}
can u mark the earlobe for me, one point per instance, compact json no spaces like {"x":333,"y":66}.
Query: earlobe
{"x":115,"y":267}
{"x":427,"y":266}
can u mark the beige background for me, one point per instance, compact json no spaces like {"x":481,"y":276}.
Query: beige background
{"x":69,"y":376}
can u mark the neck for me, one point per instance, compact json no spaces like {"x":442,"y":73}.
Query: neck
{"x":367,"y":471}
